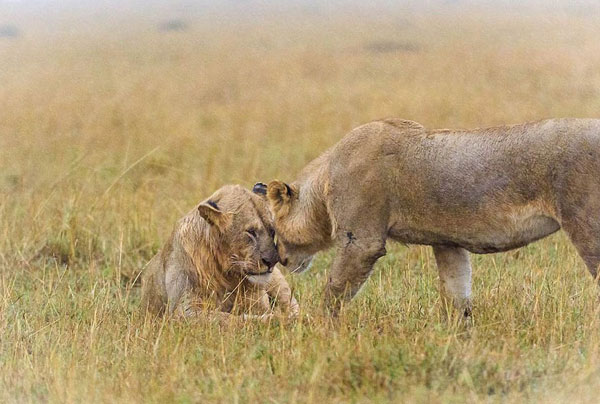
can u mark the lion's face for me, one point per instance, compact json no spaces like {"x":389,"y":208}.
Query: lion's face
{"x":244,"y":224}
{"x":296,"y":258}
{"x":297,"y":242}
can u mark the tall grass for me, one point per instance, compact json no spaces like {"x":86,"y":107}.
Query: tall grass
{"x":110,"y":129}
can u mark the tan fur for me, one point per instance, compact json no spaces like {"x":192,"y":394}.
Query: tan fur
{"x":206,"y":263}
{"x":482,"y":191}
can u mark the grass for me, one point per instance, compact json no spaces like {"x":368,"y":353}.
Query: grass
{"x":111,"y":128}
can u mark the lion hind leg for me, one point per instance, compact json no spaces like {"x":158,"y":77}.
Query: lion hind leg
{"x":579,"y":213}
{"x":177,"y":284}
{"x":153,"y":287}
{"x":585,"y":236}
{"x":454,"y":268}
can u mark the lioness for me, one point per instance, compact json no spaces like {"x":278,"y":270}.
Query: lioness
{"x":220,"y":255}
{"x":481,"y":191}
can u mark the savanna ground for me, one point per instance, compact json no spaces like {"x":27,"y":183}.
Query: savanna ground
{"x":114,"y":121}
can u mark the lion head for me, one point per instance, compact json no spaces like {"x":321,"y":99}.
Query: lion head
{"x":301,"y":224}
{"x":238,"y":222}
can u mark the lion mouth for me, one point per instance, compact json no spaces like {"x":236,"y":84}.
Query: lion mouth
{"x":249,"y":273}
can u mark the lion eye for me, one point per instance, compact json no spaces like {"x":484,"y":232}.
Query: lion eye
{"x":251,"y":233}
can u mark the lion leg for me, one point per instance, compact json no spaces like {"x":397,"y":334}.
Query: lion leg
{"x":176,"y":283}
{"x":279,"y":290}
{"x":223,"y":317}
{"x":255,"y":301}
{"x":353,"y":263}
{"x":585,"y":236}
{"x":153,"y":287}
{"x":580,"y":212}
{"x":454,"y":267}
{"x":249,"y":304}
{"x":228,"y":317}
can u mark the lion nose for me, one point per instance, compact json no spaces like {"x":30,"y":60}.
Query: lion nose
{"x":269,"y":263}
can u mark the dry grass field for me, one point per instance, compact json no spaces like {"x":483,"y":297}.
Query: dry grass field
{"x":115,"y":120}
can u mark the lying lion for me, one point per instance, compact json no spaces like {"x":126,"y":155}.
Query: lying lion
{"x":221,"y":256}
{"x":481,"y":191}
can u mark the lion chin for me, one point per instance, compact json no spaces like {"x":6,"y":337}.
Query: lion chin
{"x":262,"y":279}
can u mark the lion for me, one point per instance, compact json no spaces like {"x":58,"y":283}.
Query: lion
{"x":220,"y":256}
{"x":460,"y":191}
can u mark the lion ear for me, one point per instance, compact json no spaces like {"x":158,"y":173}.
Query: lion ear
{"x":210,"y":212}
{"x":279,"y":194}
{"x":260,"y":188}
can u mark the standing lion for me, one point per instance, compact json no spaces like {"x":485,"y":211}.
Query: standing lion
{"x":459,"y":191}
{"x":221,"y":256}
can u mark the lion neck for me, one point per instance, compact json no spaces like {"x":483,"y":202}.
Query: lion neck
{"x":309,"y":220}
